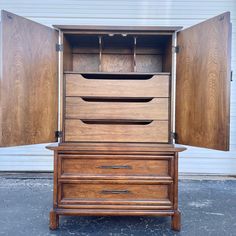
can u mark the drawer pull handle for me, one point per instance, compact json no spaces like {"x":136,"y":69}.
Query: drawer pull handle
{"x":116,"y":122}
{"x":123,"y":76}
{"x":115,"y":192}
{"x":115,"y":167}
{"x":114,"y":99}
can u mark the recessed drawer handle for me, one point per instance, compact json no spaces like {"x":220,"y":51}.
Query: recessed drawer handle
{"x":116,"y":122}
{"x":115,"y":167}
{"x":118,"y":76}
{"x":115,"y":192}
{"x":115,"y":99}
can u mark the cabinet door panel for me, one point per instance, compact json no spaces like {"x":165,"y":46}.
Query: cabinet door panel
{"x":28,"y":112}
{"x":203,"y":84}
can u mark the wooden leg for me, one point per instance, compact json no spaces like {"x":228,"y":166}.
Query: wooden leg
{"x":54,"y":220}
{"x":176,"y":221}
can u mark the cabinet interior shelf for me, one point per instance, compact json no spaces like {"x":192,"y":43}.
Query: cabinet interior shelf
{"x":117,"y":53}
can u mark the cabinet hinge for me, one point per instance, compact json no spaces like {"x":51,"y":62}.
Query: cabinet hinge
{"x":176,"y":49}
{"x":231,"y":76}
{"x":58,"y":134}
{"x":174,"y":135}
{"x":59,"y":47}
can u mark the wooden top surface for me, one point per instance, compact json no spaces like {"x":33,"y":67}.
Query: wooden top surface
{"x":119,"y":28}
{"x":117,"y":147}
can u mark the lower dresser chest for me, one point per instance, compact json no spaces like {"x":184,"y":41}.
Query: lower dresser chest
{"x":115,"y":179}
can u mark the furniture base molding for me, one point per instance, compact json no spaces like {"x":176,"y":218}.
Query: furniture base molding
{"x":55,"y":213}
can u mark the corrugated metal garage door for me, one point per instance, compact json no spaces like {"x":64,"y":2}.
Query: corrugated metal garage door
{"x":127,"y":12}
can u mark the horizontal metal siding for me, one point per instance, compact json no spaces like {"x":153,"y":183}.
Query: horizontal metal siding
{"x":128,"y":12}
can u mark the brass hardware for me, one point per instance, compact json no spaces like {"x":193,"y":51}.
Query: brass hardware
{"x":115,"y":167}
{"x":115,"y":191}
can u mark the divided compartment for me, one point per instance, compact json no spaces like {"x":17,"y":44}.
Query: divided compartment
{"x":153,"y":53}
{"x":81,"y":53}
{"x":117,"y":53}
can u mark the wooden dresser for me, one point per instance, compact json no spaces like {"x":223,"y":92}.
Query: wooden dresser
{"x":116,"y":179}
{"x":118,"y":99}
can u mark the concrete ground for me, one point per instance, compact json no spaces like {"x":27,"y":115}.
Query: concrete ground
{"x":208,"y":208}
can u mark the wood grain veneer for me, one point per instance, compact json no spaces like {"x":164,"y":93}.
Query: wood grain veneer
{"x":157,"y":86}
{"x":117,"y":148}
{"x":86,"y":62}
{"x":28,"y":82}
{"x":79,"y":192}
{"x":203,"y":84}
{"x":149,"y":190}
{"x":157,"y":108}
{"x":148,"y":63}
{"x":74,"y":166}
{"x":78,"y":131}
{"x":117,"y":63}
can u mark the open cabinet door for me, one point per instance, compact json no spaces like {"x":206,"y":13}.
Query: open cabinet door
{"x":28,"y":98}
{"x":203,"y":84}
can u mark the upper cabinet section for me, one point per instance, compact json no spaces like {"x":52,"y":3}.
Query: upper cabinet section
{"x":117,"y":53}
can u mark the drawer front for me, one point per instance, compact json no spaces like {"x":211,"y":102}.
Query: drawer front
{"x":156,"y":86}
{"x":155,"y":109}
{"x":77,"y":131}
{"x":104,"y":193}
{"x":112,"y":166}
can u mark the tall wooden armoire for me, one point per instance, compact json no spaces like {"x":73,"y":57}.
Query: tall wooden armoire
{"x":118,"y":99}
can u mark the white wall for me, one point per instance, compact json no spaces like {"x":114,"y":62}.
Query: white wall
{"x":128,"y":12}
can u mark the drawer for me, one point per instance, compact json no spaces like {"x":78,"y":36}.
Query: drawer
{"x":78,"y":130}
{"x":154,"y":109}
{"x":113,"y":193}
{"x":95,"y":166}
{"x":156,"y":86}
